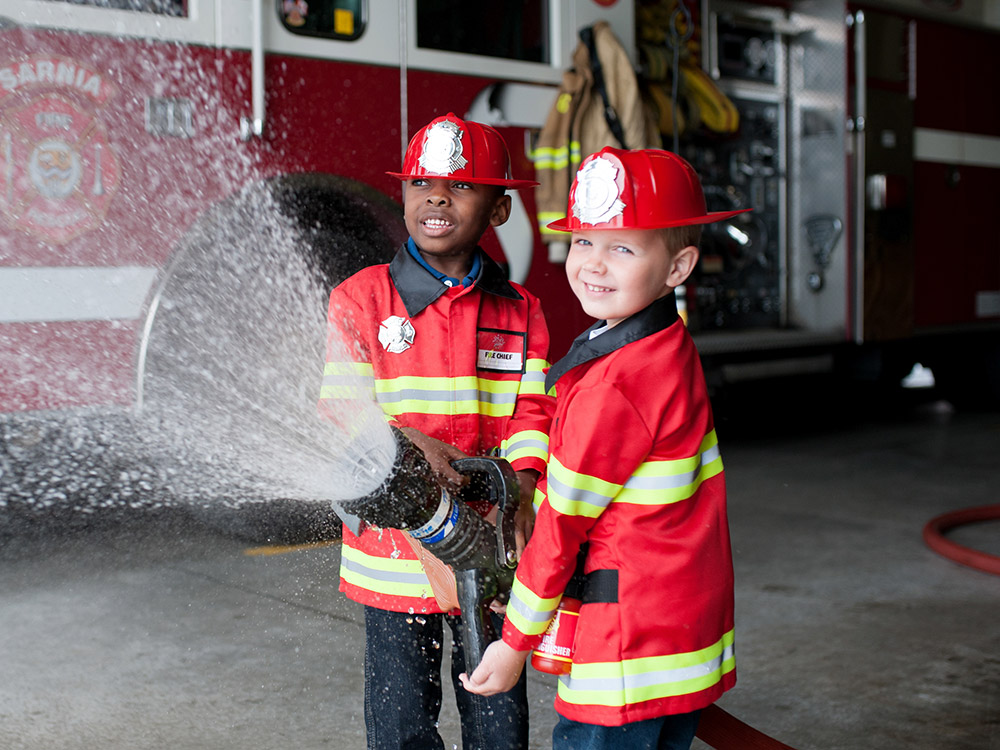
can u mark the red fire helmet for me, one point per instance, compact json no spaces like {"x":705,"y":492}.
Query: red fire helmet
{"x":638,"y":189}
{"x":455,"y":149}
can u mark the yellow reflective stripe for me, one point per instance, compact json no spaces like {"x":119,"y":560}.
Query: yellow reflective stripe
{"x":361,"y":369}
{"x":636,"y":680}
{"x":384,"y":576}
{"x":537,"y":499}
{"x":574,"y":494}
{"x":652,"y":483}
{"x":556,"y":157}
{"x":533,"y":379}
{"x":525,"y":444}
{"x":527,"y":611}
{"x":663,"y":482}
{"x":347,"y":380}
{"x":465,"y":395}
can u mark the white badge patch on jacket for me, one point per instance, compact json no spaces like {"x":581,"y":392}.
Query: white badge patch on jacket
{"x":597,"y":196}
{"x":395,"y":334}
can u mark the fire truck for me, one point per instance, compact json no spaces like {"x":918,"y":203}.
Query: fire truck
{"x":863,"y":135}
{"x":139,"y":143}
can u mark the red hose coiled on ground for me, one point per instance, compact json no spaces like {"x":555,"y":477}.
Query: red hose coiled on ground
{"x":935,"y":539}
{"x":723,"y":731}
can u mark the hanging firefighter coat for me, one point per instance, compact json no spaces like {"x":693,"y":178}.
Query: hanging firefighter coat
{"x":582,"y":122}
{"x":635,"y":472}
{"x":464,"y":365}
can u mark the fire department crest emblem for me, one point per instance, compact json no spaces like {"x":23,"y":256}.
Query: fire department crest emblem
{"x":442,"y":152}
{"x":597,"y":197}
{"x":58,"y":171}
{"x":395,"y":334}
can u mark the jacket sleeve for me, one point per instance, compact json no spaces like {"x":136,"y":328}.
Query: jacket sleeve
{"x":348,"y":376}
{"x":526,"y":440}
{"x":599,"y":441}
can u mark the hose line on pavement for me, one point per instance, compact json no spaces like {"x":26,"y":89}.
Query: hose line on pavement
{"x":720,"y":729}
{"x":935,"y":539}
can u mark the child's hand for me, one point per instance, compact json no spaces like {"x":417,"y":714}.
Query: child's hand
{"x":524,"y":519}
{"x":497,"y":672}
{"x":439,"y":455}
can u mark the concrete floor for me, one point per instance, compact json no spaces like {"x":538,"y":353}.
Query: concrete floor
{"x":156,"y":631}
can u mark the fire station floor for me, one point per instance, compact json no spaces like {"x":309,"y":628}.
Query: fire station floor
{"x":159,"y":631}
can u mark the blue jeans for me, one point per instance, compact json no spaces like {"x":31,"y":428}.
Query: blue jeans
{"x":403,"y":688}
{"x":663,"y":733}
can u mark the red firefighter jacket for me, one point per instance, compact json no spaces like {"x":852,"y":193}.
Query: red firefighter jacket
{"x":635,"y":472}
{"x":465,"y":365}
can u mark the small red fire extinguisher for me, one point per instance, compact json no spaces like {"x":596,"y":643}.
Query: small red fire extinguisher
{"x":554,"y":654}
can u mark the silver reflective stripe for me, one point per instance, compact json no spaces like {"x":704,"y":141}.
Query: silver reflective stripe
{"x":382,"y":575}
{"x":525,"y":444}
{"x":347,"y":380}
{"x":574,"y":495}
{"x":497,"y":398}
{"x":527,"y":612}
{"x":674,"y":480}
{"x":412,"y":394}
{"x":629,"y":682}
{"x":467,"y":394}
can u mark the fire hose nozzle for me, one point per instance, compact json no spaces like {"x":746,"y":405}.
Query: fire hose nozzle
{"x":482,"y":556}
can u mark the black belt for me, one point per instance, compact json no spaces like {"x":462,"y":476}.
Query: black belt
{"x":600,"y":587}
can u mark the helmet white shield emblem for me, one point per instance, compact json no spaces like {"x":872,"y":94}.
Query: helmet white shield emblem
{"x":597,"y":198}
{"x":442,"y":152}
{"x":395,"y":334}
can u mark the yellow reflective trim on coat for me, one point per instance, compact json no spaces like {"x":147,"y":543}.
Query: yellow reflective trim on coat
{"x":631,"y":681}
{"x":527,"y":611}
{"x":652,"y":483}
{"x":533,"y":379}
{"x":525,"y":444}
{"x":382,"y":575}
{"x":663,"y":482}
{"x":363,"y":369}
{"x":464,"y":395}
{"x":347,"y":381}
{"x":537,"y":499}
{"x":575,"y":494}
{"x":556,"y":157}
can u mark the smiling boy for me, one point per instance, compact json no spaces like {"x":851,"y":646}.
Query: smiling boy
{"x":634,"y":472}
{"x":458,"y":355}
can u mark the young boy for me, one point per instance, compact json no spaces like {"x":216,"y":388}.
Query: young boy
{"x":634,"y":472}
{"x":458,"y":354}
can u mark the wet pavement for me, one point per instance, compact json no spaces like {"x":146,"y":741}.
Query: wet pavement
{"x":156,"y":630}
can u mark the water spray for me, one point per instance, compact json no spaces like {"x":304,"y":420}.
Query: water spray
{"x":482,"y":556}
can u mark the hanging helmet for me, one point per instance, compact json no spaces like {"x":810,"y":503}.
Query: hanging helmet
{"x":455,"y":149}
{"x":640,"y":189}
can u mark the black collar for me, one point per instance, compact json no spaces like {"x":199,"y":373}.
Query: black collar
{"x":659,"y":314}
{"x":418,"y":288}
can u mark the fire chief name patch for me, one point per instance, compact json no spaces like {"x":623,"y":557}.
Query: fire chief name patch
{"x":500,"y":351}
